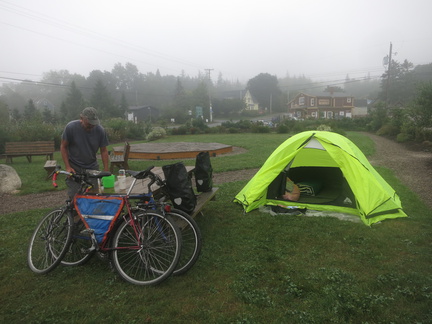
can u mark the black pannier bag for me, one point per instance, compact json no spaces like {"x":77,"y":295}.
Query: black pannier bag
{"x":203,"y":172}
{"x":179,"y":186}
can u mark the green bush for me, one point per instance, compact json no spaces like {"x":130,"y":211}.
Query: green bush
{"x":156,"y":133}
{"x":282,"y":129}
{"x":260,"y":129}
{"x":388,"y":130}
{"x":403,"y":137}
{"x":325,"y":128}
{"x":135,"y":131}
{"x":116,"y":129}
{"x":182,"y":130}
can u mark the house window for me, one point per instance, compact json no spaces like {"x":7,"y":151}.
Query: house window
{"x":301,"y":101}
{"x":342,"y":113}
{"x":314,"y":114}
{"x":348,"y":100}
{"x":312,"y":102}
{"x":329,"y":114}
{"x":324,"y":102}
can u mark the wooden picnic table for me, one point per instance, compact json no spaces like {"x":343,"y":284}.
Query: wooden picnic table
{"x":141,"y":187}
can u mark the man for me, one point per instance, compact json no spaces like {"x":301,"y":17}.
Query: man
{"x":81,"y":140}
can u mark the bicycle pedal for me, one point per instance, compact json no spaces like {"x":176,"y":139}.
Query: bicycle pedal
{"x":91,"y":249}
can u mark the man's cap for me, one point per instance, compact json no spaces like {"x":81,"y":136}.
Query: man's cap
{"x":90,"y":114}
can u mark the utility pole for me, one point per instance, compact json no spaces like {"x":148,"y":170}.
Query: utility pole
{"x":210,"y":103}
{"x":388,"y":75}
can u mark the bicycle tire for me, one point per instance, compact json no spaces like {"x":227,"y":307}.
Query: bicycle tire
{"x":146,"y":254}
{"x":50,"y":241}
{"x":191,"y":240}
{"x":80,"y":248}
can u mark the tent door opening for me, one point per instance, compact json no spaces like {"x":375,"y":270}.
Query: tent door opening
{"x":318,"y":185}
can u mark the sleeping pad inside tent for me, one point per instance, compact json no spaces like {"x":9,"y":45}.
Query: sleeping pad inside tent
{"x":332,"y":175}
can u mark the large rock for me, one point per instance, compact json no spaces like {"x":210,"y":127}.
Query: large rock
{"x":9,"y":179}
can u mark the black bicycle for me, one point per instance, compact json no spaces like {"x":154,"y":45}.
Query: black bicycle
{"x":190,"y":232}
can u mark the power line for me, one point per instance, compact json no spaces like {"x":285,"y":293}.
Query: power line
{"x":31,"y":14}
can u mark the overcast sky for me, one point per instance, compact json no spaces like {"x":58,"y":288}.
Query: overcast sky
{"x":321,"y":39}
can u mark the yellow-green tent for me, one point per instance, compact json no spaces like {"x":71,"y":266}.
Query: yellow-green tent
{"x":333,"y":174}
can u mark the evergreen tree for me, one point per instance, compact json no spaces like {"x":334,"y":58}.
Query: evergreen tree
{"x":4,"y":113}
{"x":30,"y":111}
{"x":73,"y":105}
{"x":421,"y":108}
{"x":102,"y":101}
{"x":124,"y":106}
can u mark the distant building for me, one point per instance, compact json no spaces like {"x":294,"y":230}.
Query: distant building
{"x":361,"y":107}
{"x":142,"y":113}
{"x":334,"y":105}
{"x":250,"y":101}
{"x":43,"y":103}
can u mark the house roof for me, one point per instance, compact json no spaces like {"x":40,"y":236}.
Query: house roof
{"x":252,"y":96}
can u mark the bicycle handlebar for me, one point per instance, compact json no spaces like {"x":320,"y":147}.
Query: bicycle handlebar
{"x":55,"y":174}
{"x":79,"y":177}
{"x":147,"y":173}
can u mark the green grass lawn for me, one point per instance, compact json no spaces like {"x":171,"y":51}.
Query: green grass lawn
{"x":254,"y":268}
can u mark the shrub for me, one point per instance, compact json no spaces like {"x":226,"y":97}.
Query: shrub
{"x":389,"y":130}
{"x":135,"y":131}
{"x":156,"y":133}
{"x":116,"y":129}
{"x":325,"y":128}
{"x":282,"y":129}
{"x":403,"y":137}
{"x":182,"y":130}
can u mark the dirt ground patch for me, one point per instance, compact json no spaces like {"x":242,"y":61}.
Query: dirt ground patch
{"x":410,"y":164}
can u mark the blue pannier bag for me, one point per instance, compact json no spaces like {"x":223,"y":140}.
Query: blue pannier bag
{"x":98,"y":212}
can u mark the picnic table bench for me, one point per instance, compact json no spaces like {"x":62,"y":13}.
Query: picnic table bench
{"x":29,"y":149}
{"x":141,"y":186}
{"x":120,"y":159}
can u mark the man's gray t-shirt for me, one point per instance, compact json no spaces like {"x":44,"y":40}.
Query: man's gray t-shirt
{"x":83,"y":145}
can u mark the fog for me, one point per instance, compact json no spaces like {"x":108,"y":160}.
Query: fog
{"x":236,"y":39}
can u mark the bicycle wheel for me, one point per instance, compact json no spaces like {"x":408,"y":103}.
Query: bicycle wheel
{"x":81,"y":247}
{"x":50,"y":241}
{"x":191,"y":240}
{"x":146,"y":250}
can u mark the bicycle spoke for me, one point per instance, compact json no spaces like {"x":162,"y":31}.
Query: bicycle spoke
{"x":154,"y":259}
{"x":49,"y":241}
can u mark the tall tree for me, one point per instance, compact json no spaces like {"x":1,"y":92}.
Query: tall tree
{"x":200,"y":98}
{"x":398,"y":86}
{"x":74,"y":104}
{"x":123,"y":105}
{"x":102,"y":101}
{"x":264,"y":87}
{"x":4,"y":112}
{"x":421,"y":108}
{"x":30,"y":111}
{"x":180,"y":98}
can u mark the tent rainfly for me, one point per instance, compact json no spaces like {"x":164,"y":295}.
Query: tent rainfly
{"x":332,"y":173}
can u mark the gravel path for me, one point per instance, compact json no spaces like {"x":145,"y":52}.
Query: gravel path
{"x":412,"y":167}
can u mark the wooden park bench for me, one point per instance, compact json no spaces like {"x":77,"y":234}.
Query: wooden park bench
{"x":29,"y":149}
{"x":120,"y":160}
